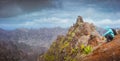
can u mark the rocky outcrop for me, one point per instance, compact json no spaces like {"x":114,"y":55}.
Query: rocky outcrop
{"x":81,"y":39}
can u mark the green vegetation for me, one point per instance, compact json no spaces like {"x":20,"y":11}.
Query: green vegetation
{"x":86,"y":49}
{"x":49,"y":57}
{"x":82,"y":47}
{"x":74,"y":50}
{"x":64,"y":45}
{"x":73,"y":34}
{"x":70,"y":38}
{"x":69,"y":58}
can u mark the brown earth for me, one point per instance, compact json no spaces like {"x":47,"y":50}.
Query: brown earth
{"x":107,"y":52}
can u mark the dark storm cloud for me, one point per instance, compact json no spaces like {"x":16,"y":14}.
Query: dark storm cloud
{"x":57,"y":12}
{"x":10,"y":8}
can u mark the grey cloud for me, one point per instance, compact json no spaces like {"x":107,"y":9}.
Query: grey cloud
{"x":9,"y":8}
{"x":109,"y":5}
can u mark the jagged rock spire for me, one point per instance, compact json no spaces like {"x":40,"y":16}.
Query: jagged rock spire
{"x":80,"y":19}
{"x":67,"y":47}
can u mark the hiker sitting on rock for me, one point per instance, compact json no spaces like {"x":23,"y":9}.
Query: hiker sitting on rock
{"x":109,"y":35}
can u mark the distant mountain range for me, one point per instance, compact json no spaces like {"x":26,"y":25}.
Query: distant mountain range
{"x":34,"y":37}
{"x":28,"y":44}
{"x":31,"y":42}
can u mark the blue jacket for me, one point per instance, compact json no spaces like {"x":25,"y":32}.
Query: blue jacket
{"x":109,"y":31}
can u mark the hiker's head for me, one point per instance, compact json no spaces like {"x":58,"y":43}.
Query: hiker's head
{"x":107,"y":28}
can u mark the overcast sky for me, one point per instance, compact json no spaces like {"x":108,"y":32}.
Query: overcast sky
{"x":57,"y":13}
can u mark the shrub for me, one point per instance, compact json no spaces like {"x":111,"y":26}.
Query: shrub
{"x":86,"y":49}
{"x":69,"y":58}
{"x":82,"y":46}
{"x":64,"y":45}
{"x":49,"y":57}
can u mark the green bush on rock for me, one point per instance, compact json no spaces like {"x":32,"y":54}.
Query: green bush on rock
{"x":86,"y":49}
{"x":49,"y":57}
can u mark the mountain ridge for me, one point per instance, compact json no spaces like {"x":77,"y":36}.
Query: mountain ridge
{"x":31,"y":42}
{"x":81,"y":39}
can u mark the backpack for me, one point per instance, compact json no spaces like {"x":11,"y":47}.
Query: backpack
{"x":114,"y":31}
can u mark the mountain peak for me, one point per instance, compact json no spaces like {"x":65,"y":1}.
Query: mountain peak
{"x":81,"y":39}
{"x":79,"y":19}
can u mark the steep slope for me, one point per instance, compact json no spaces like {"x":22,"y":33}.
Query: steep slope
{"x":107,"y":52}
{"x":81,"y":39}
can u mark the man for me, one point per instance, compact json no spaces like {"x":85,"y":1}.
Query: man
{"x":110,"y":34}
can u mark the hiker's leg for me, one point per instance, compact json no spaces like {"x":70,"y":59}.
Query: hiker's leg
{"x":107,"y":37}
{"x":111,"y":38}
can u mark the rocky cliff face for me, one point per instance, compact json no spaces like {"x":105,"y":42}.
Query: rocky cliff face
{"x":80,"y":41}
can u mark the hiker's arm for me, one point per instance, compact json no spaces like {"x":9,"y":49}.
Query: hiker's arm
{"x":106,"y":33}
